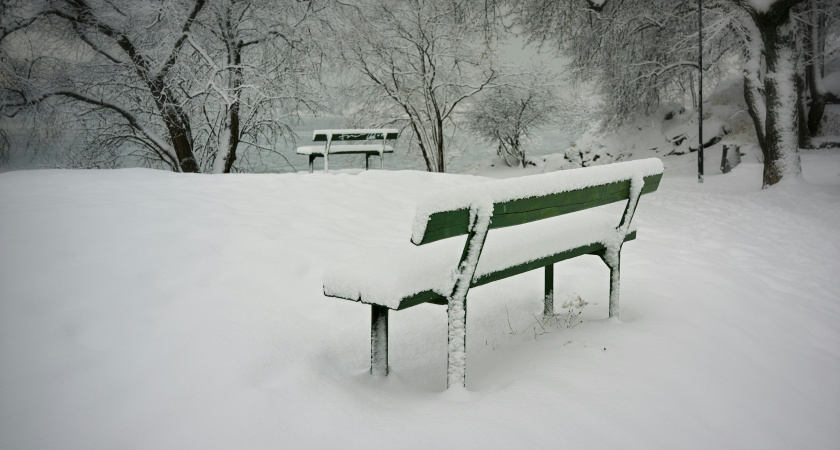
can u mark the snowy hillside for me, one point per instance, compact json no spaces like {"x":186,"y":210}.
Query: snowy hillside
{"x":142,"y":309}
{"x":671,"y":130}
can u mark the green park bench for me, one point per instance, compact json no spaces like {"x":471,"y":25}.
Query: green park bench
{"x":521,"y":241}
{"x":328,"y":137}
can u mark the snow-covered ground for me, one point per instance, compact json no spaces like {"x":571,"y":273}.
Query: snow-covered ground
{"x":152,"y":310}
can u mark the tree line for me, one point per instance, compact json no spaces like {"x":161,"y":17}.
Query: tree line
{"x":203,"y":85}
{"x":641,"y":52}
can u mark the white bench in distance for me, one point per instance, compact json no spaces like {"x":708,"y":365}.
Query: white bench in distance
{"x":328,"y":137}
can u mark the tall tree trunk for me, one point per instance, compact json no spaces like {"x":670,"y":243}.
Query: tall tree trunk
{"x":175,"y":119}
{"x":229,"y":142}
{"x":815,"y":64}
{"x":754,"y":83}
{"x":778,"y":33}
{"x":439,"y":147}
{"x":233,"y":140}
{"x":804,"y":138}
{"x":177,"y":123}
{"x":423,"y":150}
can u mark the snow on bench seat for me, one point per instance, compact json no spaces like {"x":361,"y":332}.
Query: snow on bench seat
{"x":355,"y":148}
{"x":402,"y":272}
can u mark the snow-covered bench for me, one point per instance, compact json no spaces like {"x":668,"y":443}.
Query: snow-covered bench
{"x":330,"y":136}
{"x":521,"y":241}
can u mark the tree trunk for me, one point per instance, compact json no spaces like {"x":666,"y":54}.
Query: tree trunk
{"x":229,"y":144}
{"x":778,"y":32}
{"x":177,"y":122}
{"x":233,"y":140}
{"x":815,"y":65}
{"x":175,"y":119}
{"x":754,"y":84}
{"x":815,"y":114}
{"x":423,"y":150}
{"x":803,"y":137}
{"x":439,"y":146}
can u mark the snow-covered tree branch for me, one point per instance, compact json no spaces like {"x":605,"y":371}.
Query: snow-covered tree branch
{"x":418,"y":61}
{"x":172,"y":83}
{"x":638,"y":53}
{"x":506,"y":114}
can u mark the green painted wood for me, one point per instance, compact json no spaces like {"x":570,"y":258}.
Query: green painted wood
{"x":322,"y":137}
{"x":448,"y":224}
{"x":421,"y":297}
{"x":435,"y":298}
{"x":378,"y":340}
{"x":591,"y":249}
{"x":548,"y":298}
{"x":354,"y":152}
{"x":454,"y":223}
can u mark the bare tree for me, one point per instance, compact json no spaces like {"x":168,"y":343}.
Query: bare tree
{"x":818,"y":19}
{"x":596,"y":33}
{"x":250,"y":73}
{"x":505,"y":115}
{"x":637,"y":52}
{"x":770,"y":82}
{"x":100,"y":58}
{"x":172,"y":83}
{"x":417,"y":61}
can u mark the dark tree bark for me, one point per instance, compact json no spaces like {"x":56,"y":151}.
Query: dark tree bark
{"x":814,"y":40}
{"x":174,"y":118}
{"x":778,"y":33}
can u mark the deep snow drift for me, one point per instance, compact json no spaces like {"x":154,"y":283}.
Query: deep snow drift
{"x":146,"y":309}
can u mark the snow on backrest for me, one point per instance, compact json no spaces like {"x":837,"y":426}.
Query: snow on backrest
{"x":445,"y":213}
{"x":363,"y":134}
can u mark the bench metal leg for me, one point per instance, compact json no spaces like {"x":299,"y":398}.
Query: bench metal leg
{"x":456,"y":356}
{"x":548,"y":310}
{"x":615,"y":285}
{"x":378,"y":340}
{"x":367,"y":161}
{"x":311,"y":163}
{"x":456,"y":309}
{"x":612,"y":254}
{"x":615,"y":280}
{"x":382,"y":161}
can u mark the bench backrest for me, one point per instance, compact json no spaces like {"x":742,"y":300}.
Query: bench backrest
{"x":355,"y":135}
{"x":526,"y":199}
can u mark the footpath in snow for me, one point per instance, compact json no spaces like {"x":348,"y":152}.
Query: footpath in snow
{"x":152,"y":310}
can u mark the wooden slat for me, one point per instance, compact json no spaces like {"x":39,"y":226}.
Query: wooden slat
{"x":422,"y":297}
{"x":448,"y":224}
{"x":338,"y":150}
{"x":435,"y":298}
{"x":590,"y":249}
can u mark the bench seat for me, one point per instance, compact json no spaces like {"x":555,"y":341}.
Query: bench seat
{"x":407,"y":275}
{"x":360,"y":148}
